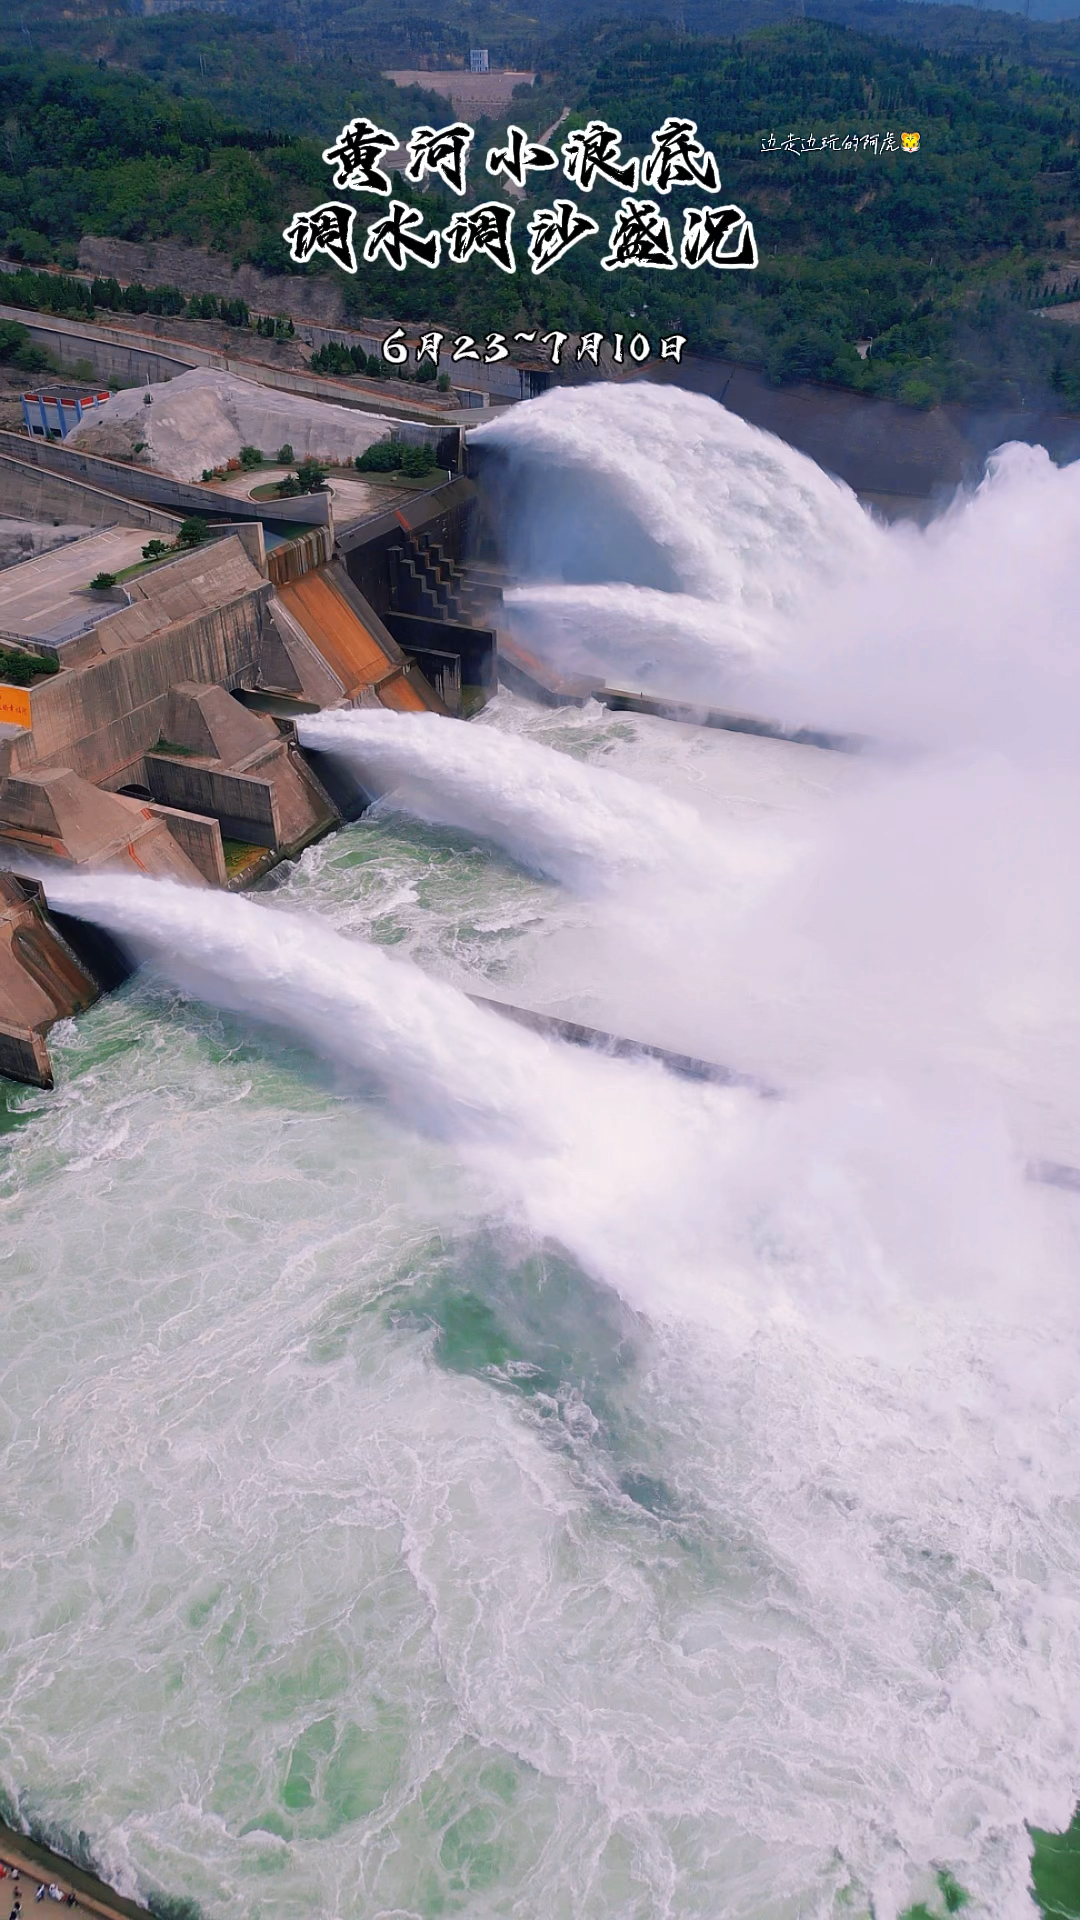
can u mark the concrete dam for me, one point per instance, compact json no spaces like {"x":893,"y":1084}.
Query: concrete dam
{"x":158,"y":734}
{"x":568,"y":1462}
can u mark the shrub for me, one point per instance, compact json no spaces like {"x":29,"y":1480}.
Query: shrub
{"x":312,"y":475}
{"x":373,"y":367}
{"x":285,"y":455}
{"x":801,"y":353}
{"x":164,"y":300}
{"x":383,"y":456}
{"x":427,"y":370}
{"x":21,"y":669}
{"x":154,"y":549}
{"x":234,"y":312}
{"x":203,"y":306}
{"x":333,"y":359}
{"x":12,"y":337}
{"x":250,"y":457}
{"x":24,"y":243}
{"x":288,"y":487}
{"x":192,"y":533}
{"x":107,"y":292}
{"x":916,"y":392}
{"x":444,"y":383}
{"x":30,"y":358}
{"x":416,"y":461}
{"x":101,"y":582}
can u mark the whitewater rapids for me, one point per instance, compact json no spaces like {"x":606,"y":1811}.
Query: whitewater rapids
{"x":442,"y":1472}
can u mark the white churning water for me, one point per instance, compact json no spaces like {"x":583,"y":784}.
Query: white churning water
{"x":446,"y":1473}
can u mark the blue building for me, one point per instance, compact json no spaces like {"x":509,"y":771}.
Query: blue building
{"x":48,"y":415}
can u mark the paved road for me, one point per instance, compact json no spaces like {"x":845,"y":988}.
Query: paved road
{"x":49,"y":599}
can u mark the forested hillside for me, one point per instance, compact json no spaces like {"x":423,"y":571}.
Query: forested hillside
{"x":937,"y":258}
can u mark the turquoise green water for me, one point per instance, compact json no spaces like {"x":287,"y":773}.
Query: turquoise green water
{"x":368,"y":1553}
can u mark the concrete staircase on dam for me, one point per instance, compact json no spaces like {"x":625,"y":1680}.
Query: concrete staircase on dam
{"x":431,"y":584}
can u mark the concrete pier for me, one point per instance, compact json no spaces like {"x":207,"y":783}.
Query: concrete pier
{"x":41,"y":981}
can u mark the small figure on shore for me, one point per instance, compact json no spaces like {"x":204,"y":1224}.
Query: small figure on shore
{"x":54,"y":1891}
{"x":40,"y":1894}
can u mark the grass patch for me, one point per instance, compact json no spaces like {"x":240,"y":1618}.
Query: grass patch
{"x":22,"y":669}
{"x":239,"y":856}
{"x":144,"y":566}
{"x":161,"y":745}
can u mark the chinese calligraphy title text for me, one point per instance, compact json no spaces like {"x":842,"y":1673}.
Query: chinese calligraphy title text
{"x":640,"y":234}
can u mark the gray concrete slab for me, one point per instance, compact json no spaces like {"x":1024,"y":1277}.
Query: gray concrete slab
{"x":48,"y":598}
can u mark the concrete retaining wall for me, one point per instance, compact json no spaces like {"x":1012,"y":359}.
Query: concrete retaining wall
{"x":200,"y":838}
{"x":30,"y":492}
{"x":132,"y":358}
{"x":243,"y":805}
{"x":302,"y":555}
{"x":111,"y":355}
{"x":157,"y":489}
{"x":101,"y":720}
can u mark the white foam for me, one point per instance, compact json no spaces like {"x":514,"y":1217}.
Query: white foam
{"x":584,"y":825}
{"x":296,"y":1618}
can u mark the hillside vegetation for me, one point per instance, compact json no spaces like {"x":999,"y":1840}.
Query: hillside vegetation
{"x":937,"y":258}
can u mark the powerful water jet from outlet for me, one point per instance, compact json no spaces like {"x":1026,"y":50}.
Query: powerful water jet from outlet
{"x":330,"y":1584}
{"x":561,"y":1130}
{"x":660,"y":541}
{"x":587,"y":826}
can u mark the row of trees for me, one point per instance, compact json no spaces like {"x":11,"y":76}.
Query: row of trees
{"x":342,"y":361}
{"x":65,"y":295}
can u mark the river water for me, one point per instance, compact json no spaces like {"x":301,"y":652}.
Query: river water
{"x":445,"y":1472}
